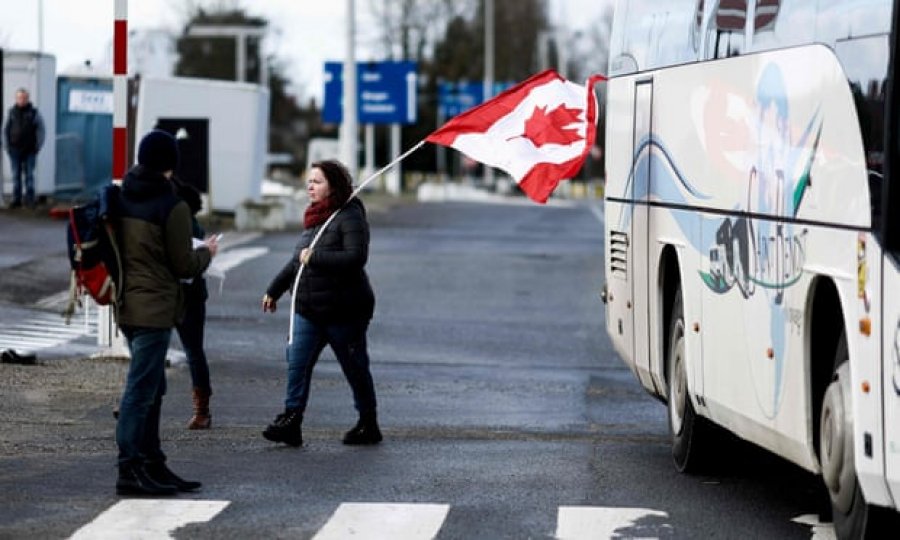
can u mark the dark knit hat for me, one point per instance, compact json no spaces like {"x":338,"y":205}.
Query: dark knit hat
{"x":158,"y":151}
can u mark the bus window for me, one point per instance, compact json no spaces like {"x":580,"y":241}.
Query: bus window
{"x":783,"y":23}
{"x":726,"y":32}
{"x":765,"y":15}
{"x":654,"y":34}
{"x":865,"y":62}
{"x":839,"y":19}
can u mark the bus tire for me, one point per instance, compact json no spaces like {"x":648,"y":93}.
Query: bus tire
{"x":685,"y":426}
{"x":852,"y":516}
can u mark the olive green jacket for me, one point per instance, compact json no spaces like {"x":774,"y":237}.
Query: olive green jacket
{"x":154,"y":233}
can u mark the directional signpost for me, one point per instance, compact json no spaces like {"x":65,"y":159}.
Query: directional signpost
{"x":386,"y":90}
{"x":386,"y":93}
{"x":457,"y":97}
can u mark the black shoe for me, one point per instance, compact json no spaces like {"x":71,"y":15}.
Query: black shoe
{"x":134,"y":480}
{"x":16,"y":204}
{"x":163,"y":475}
{"x":10,"y":356}
{"x":286,"y":428}
{"x":364,"y":432}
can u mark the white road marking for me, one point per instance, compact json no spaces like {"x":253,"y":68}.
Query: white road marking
{"x":148,"y":519}
{"x":377,"y":521}
{"x":223,"y":262}
{"x":820,"y":531}
{"x":44,"y":331}
{"x":589,"y":522}
{"x":227,"y":260}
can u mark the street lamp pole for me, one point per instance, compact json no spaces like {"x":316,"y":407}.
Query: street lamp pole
{"x":349,"y":128}
{"x":488,"y":70}
{"x":40,"y":26}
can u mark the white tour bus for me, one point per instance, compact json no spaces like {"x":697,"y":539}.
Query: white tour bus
{"x":753,"y":232}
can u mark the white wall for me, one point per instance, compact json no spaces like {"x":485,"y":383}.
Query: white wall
{"x":238,"y":115}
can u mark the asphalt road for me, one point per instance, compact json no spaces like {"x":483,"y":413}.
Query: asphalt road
{"x":506,"y":413}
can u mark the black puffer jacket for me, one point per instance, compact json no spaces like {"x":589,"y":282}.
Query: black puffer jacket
{"x":334,"y":287}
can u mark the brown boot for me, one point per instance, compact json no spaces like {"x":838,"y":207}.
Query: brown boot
{"x":201,"y":419}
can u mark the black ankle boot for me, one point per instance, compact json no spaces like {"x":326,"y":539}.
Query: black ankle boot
{"x":364,"y":432}
{"x":163,"y":475}
{"x":286,"y":428}
{"x":134,"y":480}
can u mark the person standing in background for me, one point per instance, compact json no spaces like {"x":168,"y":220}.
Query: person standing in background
{"x":190,"y":329}
{"x":23,"y":137}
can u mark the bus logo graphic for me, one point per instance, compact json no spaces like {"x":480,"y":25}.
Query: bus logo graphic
{"x":746,"y":259}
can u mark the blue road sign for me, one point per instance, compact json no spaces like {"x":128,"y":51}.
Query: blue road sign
{"x":386,"y":92}
{"x":457,"y":97}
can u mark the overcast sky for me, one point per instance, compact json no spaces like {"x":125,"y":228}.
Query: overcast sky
{"x":306,"y":32}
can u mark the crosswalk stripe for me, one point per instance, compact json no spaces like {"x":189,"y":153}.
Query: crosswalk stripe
{"x":589,"y":522}
{"x":37,"y":331}
{"x":31,"y":342}
{"x":17,"y":343}
{"x":45,"y":330}
{"x":147,"y":519}
{"x":376,"y":521}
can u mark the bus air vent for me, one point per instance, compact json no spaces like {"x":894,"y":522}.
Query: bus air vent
{"x":618,"y":253}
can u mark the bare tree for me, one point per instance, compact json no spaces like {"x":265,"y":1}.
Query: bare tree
{"x":408,"y":29}
{"x":589,"y":48}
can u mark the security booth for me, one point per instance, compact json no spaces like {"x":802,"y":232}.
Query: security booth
{"x":222,"y":128}
{"x":84,"y":135}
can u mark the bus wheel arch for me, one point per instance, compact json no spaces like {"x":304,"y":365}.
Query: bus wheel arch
{"x":832,"y":418}
{"x":826,"y":325}
{"x":686,"y":428}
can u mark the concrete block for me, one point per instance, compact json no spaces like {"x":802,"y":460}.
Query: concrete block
{"x":260,"y":216}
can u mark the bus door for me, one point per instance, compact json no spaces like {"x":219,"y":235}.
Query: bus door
{"x":887,"y":209}
{"x":891,"y":370}
{"x":641,"y":271}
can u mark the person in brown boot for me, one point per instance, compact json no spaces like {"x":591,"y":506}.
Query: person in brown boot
{"x":201,"y":419}
{"x":190,"y":329}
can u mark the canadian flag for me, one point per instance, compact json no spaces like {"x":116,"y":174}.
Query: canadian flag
{"x":539,"y":131}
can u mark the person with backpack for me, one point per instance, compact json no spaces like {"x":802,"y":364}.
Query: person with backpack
{"x":23,"y":137}
{"x":154,"y":237}
{"x":190,"y":329}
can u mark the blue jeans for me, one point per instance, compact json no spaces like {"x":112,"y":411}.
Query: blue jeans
{"x":190,"y":331}
{"x":22,"y":165}
{"x":348,"y":341}
{"x":137,"y":431}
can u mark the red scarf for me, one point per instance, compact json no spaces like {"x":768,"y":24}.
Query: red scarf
{"x":317,"y":213}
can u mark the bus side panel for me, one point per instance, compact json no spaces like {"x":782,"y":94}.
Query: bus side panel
{"x":758,"y":150}
{"x":891,"y":378}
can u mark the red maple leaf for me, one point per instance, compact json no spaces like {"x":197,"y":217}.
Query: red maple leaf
{"x":553,"y":127}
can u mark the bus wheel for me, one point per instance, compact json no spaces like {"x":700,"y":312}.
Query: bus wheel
{"x":684,"y":424}
{"x":853,"y":517}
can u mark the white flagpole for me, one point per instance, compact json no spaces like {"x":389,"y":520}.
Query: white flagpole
{"x":365,"y":182}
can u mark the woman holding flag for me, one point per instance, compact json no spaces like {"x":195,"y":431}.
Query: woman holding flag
{"x":333,"y":303}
